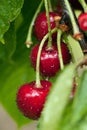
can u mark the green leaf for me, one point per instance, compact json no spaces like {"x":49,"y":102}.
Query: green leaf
{"x":7,"y":50}
{"x":28,"y":11}
{"x":66,"y":118}
{"x":80,"y":102}
{"x":57,"y":101}
{"x":12,"y":78}
{"x":75,"y":47}
{"x":15,"y":66}
{"x":10,"y":41}
{"x":76,"y":117}
{"x":81,"y":125}
{"x":9,"y":10}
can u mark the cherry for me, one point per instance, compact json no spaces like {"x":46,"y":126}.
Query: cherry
{"x":41,"y":25}
{"x":30,"y":99}
{"x":49,"y":61}
{"x":82,"y":19}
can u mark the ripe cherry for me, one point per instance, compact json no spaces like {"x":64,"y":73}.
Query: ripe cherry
{"x":41,"y":25}
{"x":49,"y":61}
{"x":82,"y":19}
{"x":30,"y":99}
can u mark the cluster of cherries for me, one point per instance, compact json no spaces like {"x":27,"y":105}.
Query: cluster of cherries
{"x":32,"y":96}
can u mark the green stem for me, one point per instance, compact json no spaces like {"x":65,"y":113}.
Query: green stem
{"x":76,"y":30}
{"x":74,"y":24}
{"x":38,"y":57}
{"x":50,"y":6}
{"x":84,"y":5}
{"x":30,"y":30}
{"x":48,"y":20}
{"x":59,"y":33}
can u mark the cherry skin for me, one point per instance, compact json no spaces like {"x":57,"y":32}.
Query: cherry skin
{"x":30,"y":99}
{"x":82,"y":19}
{"x":49,"y":61}
{"x":41,"y":25}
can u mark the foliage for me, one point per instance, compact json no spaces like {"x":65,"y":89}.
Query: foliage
{"x":15,"y":70}
{"x":15,"y":67}
{"x":60,"y":112}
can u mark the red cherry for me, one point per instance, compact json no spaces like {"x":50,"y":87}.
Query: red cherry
{"x":30,"y":99}
{"x":49,"y":61}
{"x":41,"y":25}
{"x":82,"y":19}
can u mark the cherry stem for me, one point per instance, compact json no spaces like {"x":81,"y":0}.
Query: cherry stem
{"x":59,"y":33}
{"x":73,"y":21}
{"x":38,"y":84}
{"x":84,"y":5}
{"x":50,"y":6}
{"x":48,"y":20}
{"x":30,"y":30}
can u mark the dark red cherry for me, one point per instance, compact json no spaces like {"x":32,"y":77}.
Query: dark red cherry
{"x":49,"y":60}
{"x":30,"y":99}
{"x":82,"y":19}
{"x":41,"y":25}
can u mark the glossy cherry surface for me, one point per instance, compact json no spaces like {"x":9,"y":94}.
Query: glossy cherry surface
{"x":41,"y":25}
{"x":82,"y":19}
{"x":49,"y":60}
{"x":30,"y":99}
